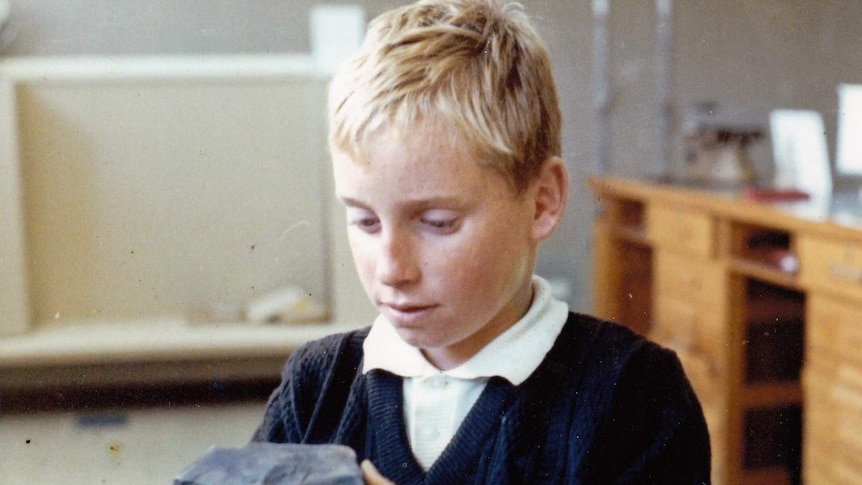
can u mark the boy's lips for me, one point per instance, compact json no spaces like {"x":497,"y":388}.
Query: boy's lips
{"x":407,"y":312}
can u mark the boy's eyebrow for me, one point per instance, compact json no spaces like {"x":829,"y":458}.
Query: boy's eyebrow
{"x":414,"y":204}
{"x":350,"y":202}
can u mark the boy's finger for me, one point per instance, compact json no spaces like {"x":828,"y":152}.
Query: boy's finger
{"x":371,"y":475}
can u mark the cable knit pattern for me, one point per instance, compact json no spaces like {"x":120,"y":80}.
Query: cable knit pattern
{"x":605,"y":406}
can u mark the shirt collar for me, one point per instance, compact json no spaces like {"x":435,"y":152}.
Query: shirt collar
{"x":529,"y":339}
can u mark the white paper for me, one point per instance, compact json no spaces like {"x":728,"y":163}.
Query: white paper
{"x":337,"y":32}
{"x":800,"y":151}
{"x":848,"y":157}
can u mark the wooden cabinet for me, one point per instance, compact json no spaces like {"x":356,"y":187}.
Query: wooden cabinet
{"x":760,"y":303}
{"x":678,"y":227}
{"x":833,"y":384}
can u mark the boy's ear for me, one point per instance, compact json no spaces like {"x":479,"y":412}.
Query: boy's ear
{"x":550,"y":192}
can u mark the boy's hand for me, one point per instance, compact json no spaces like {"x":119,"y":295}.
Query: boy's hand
{"x":372,"y":476}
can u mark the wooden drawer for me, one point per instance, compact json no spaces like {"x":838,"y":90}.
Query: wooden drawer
{"x":682,"y":326}
{"x":682,"y":228}
{"x":833,"y":412}
{"x":822,"y":467}
{"x":716,"y":423}
{"x":832,"y":265}
{"x":706,"y":377}
{"x":690,"y":278}
{"x":690,"y":305}
{"x":833,"y":329}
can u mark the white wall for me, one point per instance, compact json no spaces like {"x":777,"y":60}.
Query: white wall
{"x":761,"y":54}
{"x":129,"y":447}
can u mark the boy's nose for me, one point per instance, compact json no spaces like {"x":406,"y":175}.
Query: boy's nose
{"x":396,"y":265}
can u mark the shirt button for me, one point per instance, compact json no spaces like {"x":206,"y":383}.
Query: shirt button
{"x":436,"y":383}
{"x":429,"y":434}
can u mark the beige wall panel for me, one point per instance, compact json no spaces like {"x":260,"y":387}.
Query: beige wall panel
{"x":156,"y":194}
{"x":14,"y":306}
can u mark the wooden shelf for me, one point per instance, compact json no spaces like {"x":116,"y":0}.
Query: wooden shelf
{"x":90,"y":353}
{"x":764,"y":272}
{"x":752,"y":285}
{"x":774,"y":475}
{"x":633,"y":234}
{"x":772,"y":394}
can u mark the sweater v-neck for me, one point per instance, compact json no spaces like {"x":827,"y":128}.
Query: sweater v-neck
{"x":395,"y":457}
{"x":561,"y":425}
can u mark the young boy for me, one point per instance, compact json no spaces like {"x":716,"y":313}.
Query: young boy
{"x":445,"y":139}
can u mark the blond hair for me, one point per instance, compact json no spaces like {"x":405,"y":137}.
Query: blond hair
{"x":476,"y":66}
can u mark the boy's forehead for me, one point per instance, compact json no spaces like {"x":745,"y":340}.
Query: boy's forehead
{"x":427,"y":142}
{"x":444,"y":186}
{"x":436,"y":154}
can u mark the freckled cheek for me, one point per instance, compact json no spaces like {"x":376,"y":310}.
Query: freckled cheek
{"x":465,"y":266}
{"x":499,"y":258}
{"x":363,"y":259}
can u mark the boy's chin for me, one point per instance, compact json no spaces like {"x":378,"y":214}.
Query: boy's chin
{"x":418,"y":337}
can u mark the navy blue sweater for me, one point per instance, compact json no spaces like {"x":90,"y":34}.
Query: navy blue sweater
{"x":605,"y":406}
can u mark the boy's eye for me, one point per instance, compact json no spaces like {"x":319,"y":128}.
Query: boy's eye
{"x":364,"y":221}
{"x":438,"y":223}
{"x":440,"y":220}
{"x":367,"y":222}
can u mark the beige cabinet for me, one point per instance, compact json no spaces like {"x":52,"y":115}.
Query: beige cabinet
{"x":759,"y":301}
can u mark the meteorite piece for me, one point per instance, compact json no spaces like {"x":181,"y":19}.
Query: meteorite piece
{"x":274,"y":464}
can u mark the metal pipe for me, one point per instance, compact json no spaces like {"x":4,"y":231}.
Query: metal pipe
{"x":601,"y":80}
{"x":664,"y":36}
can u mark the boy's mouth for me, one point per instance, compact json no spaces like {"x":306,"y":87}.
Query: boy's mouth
{"x":407,"y":311}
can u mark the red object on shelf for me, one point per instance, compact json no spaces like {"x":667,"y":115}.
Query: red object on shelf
{"x":774,"y":194}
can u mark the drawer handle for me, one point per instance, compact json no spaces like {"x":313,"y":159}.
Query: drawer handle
{"x":844,"y":272}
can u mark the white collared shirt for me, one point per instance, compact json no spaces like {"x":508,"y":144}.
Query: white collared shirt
{"x":436,"y":402}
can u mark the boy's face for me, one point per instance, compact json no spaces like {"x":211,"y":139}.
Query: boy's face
{"x":443,"y":247}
